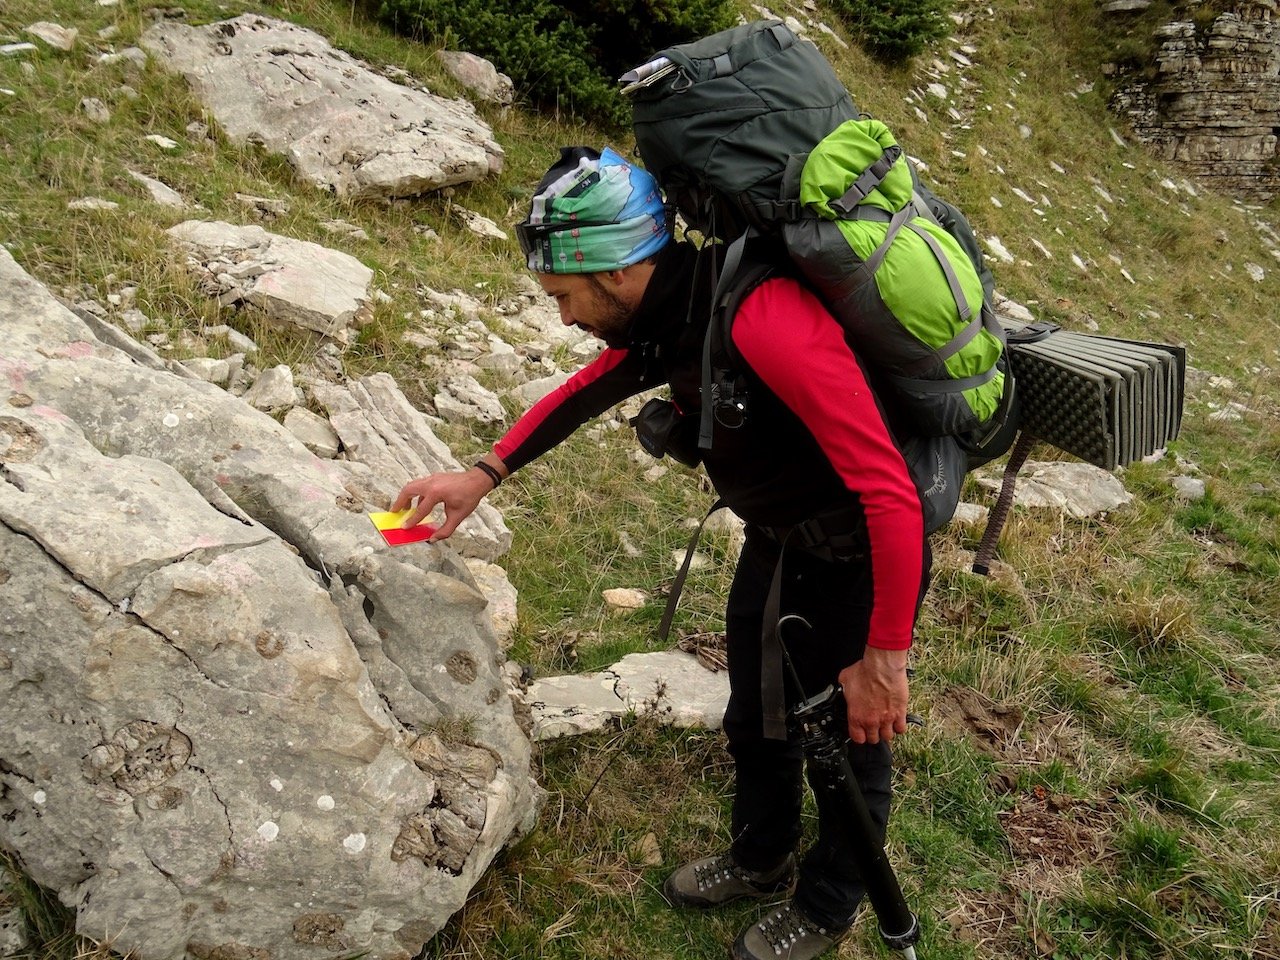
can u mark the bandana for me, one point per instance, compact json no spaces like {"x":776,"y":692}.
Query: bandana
{"x":592,"y":213}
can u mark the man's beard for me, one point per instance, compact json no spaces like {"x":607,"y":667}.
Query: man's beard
{"x":613,"y":323}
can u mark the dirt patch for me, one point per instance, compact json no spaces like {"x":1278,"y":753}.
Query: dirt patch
{"x":1003,"y":731}
{"x":963,"y":712}
{"x":1053,"y":838}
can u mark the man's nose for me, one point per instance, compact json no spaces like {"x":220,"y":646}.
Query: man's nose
{"x":565,"y":316}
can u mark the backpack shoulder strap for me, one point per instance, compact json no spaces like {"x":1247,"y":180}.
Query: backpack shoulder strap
{"x":739,"y":276}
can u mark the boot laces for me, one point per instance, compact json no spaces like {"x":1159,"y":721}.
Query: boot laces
{"x":720,"y":870}
{"x":787,"y":927}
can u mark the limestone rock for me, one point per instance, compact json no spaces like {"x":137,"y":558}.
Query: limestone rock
{"x":1189,"y":488}
{"x":342,"y":126}
{"x":527,"y":394}
{"x":1076,"y":489}
{"x":210,"y":369}
{"x":497,"y":588}
{"x":387,"y":443}
{"x":55,"y":35}
{"x":672,"y":686}
{"x":272,"y":389}
{"x":624,"y":598}
{"x":1211,"y":103}
{"x":93,"y":203}
{"x":315,"y":432}
{"x":463,"y":399}
{"x":216,"y":683}
{"x":161,"y":193}
{"x":295,"y":282}
{"x":13,"y":929}
{"x":95,"y":110}
{"x":479,"y":76}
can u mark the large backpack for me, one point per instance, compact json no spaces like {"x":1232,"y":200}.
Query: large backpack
{"x":752,"y":135}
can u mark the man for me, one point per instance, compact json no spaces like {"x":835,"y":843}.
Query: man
{"x":810,"y":466}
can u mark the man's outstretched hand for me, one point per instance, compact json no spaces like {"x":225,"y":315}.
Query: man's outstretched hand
{"x":460,"y":493}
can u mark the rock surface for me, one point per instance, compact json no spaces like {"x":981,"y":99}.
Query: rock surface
{"x":670,"y":685}
{"x":342,"y":126}
{"x":294,"y":282}
{"x":220,"y":697}
{"x":387,"y":443}
{"x":1076,"y":489}
{"x":1213,"y":105}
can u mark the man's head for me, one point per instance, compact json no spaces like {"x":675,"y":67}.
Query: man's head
{"x":594,"y":226}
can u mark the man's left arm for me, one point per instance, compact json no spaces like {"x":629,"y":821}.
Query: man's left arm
{"x":799,"y":351}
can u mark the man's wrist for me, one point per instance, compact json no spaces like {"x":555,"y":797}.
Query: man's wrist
{"x":886,"y":658}
{"x":494,"y":476}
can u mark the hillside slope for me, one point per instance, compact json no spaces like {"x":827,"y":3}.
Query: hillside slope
{"x":1098,"y":777}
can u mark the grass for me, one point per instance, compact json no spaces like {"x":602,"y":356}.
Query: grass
{"x":1130,"y":811}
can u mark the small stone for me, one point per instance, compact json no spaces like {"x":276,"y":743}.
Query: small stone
{"x":210,"y":369}
{"x":273,"y":389}
{"x":164,"y":143}
{"x":134,"y":57}
{"x":343,"y":228}
{"x":480,"y":225}
{"x":92,"y":203}
{"x":648,"y":853}
{"x":10,"y":49}
{"x":624,"y":598}
{"x":58,"y":37}
{"x":161,"y":193}
{"x":95,"y":110}
{"x":998,"y":250}
{"x":970,"y":514}
{"x":1256,"y":273}
{"x":237,"y":340}
{"x":1189,"y":489}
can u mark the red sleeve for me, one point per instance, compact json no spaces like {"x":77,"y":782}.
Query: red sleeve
{"x":798,"y":349}
{"x":609,"y":379}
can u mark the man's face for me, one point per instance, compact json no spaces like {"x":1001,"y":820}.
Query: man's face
{"x":591,"y":302}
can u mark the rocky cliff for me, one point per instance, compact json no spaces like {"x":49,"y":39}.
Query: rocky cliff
{"x":1209,"y":99}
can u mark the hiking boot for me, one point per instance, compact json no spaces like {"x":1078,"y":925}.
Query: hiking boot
{"x":785,"y":933}
{"x":712,"y":881}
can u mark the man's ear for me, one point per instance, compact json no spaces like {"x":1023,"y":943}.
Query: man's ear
{"x":631,"y":281}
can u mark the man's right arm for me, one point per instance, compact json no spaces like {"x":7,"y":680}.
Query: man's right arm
{"x":609,"y":379}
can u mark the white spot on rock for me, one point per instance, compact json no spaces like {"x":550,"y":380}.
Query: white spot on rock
{"x":39,"y":797}
{"x":269,"y":831}
{"x":171,"y":420}
{"x":355,"y":842}
{"x":276,"y":785}
{"x":324,"y":802}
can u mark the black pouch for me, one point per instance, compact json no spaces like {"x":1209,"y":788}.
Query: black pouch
{"x":664,"y":431}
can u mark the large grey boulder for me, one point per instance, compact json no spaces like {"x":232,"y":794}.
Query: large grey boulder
{"x":232,"y":724}
{"x":342,"y":126}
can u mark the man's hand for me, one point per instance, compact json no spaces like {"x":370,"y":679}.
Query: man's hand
{"x":460,"y":493}
{"x":875,"y":695}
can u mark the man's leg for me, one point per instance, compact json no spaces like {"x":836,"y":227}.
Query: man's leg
{"x":768,"y":774}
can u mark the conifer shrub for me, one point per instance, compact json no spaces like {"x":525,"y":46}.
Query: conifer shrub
{"x":567,"y":55}
{"x":894,"y":30}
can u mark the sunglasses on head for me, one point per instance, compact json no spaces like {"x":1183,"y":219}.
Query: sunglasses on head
{"x":533,"y":236}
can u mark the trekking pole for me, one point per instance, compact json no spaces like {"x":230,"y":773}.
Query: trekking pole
{"x":823,"y":727}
